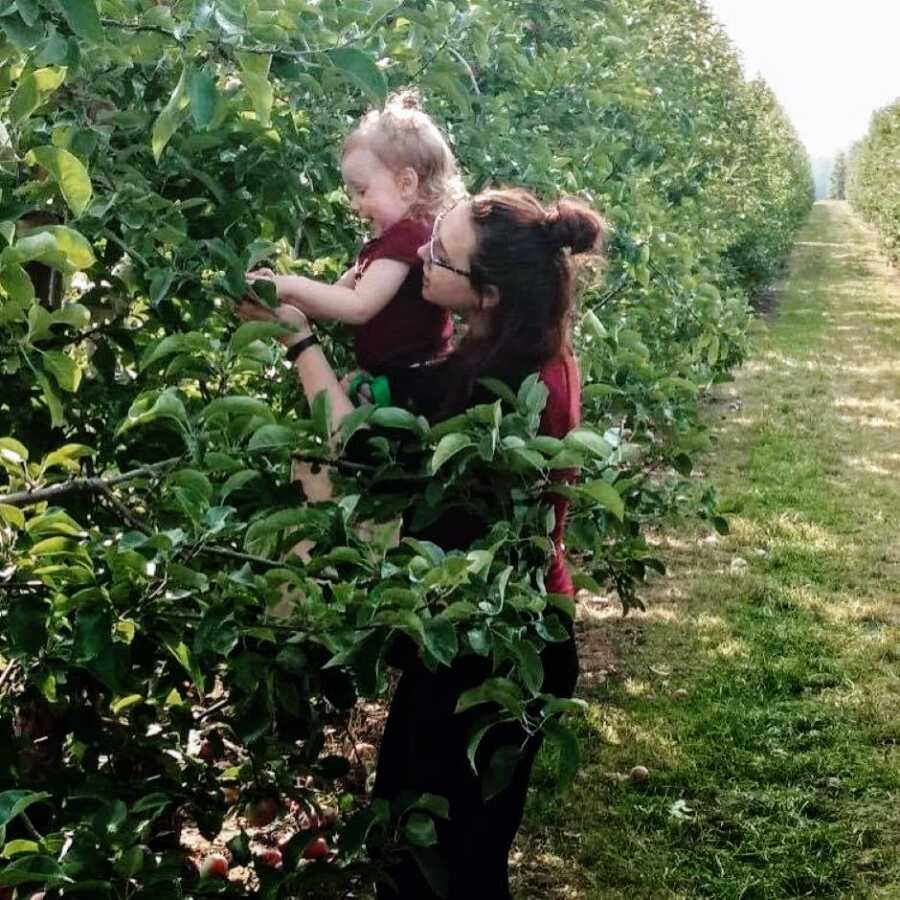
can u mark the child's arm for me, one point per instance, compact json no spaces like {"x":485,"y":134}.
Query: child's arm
{"x":340,"y":302}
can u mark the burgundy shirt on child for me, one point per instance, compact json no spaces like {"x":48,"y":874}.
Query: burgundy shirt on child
{"x":409,"y":329}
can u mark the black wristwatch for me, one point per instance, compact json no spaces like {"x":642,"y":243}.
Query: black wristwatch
{"x":295,"y":350}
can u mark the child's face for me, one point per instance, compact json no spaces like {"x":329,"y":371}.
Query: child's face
{"x":377,"y":195}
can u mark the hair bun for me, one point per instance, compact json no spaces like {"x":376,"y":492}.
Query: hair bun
{"x":405,"y":98}
{"x":574,"y":226}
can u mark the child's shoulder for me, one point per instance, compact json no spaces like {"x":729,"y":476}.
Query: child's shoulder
{"x":410,"y":229}
{"x":401,"y":241}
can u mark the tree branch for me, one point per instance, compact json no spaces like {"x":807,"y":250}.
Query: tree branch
{"x":83,"y":485}
{"x":267,"y":51}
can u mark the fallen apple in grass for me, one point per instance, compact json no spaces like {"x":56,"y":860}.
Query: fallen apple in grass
{"x":317,"y":849}
{"x":214,"y":866}
{"x":639,"y":774}
{"x":271,"y":858}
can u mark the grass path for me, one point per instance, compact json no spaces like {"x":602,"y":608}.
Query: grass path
{"x":762,"y":686}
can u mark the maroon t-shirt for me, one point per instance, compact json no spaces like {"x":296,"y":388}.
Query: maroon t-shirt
{"x":409,"y":329}
{"x":561,"y":414}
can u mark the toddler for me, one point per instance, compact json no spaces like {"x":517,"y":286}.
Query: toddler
{"x":400,"y":173}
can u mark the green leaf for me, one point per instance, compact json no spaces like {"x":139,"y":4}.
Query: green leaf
{"x":13,"y":451}
{"x":420,"y":831}
{"x":181,"y":652}
{"x":441,"y":640}
{"x":57,"y":246}
{"x":255,"y":76}
{"x":171,"y":115}
{"x":12,"y":515}
{"x":83,"y":19}
{"x":92,"y":633}
{"x":68,"y":172}
{"x":249,"y":332}
{"x":192,"y":342}
{"x":14,"y":803}
{"x":404,"y":620}
{"x":502,"y":691}
{"x":238,"y":406}
{"x":272,"y":437}
{"x":500,"y":388}
{"x":17,"y":848}
{"x":33,"y":90}
{"x":501,"y":770}
{"x":33,"y":870}
{"x":566,"y":744}
{"x":321,"y":415}
{"x":239,"y":479}
{"x":605,"y":495}
{"x":21,"y":35}
{"x":51,"y":398}
{"x":204,"y":98}
{"x":362,"y":70}
{"x":395,"y":417}
{"x":449,"y":446}
{"x":17,"y":284}
{"x":530,"y":667}
{"x":166,"y":406}
{"x":586,"y":439}
{"x":63,"y":368}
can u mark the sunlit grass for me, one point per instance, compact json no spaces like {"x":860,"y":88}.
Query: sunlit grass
{"x":762,"y":686}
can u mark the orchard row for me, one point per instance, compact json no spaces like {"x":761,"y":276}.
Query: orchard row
{"x":164,"y":659}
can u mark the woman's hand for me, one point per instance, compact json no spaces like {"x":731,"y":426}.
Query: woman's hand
{"x":288,"y":315}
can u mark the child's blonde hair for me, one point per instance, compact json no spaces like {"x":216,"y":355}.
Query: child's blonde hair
{"x":403,"y":134}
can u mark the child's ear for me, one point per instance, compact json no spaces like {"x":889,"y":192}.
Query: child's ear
{"x":408,"y":182}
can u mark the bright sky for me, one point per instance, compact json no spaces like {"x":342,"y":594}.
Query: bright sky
{"x":831,"y":64}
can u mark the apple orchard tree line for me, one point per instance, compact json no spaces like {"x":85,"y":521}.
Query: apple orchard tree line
{"x":149,"y":605}
{"x":873,"y":178}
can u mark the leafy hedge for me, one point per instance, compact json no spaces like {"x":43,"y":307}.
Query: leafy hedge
{"x":873,"y":177}
{"x":164,"y":657}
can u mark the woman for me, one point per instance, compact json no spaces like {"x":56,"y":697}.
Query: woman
{"x":502,"y":261}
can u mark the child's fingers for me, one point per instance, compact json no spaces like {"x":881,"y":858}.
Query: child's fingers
{"x":260,"y":275}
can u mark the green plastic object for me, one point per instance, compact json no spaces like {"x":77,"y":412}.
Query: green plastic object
{"x":378,"y":385}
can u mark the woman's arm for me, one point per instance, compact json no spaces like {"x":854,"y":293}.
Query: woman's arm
{"x":340,"y":302}
{"x":313,"y":369}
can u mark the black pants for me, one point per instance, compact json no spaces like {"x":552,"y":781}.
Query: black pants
{"x":424,"y":750}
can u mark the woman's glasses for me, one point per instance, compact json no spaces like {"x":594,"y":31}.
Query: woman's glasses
{"x":436,"y":260}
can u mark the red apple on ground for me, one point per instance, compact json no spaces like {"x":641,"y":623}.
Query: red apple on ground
{"x":270,"y":857}
{"x":317,"y":849}
{"x":214,"y":866}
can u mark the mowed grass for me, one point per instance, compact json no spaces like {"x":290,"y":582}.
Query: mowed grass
{"x":762,"y":686}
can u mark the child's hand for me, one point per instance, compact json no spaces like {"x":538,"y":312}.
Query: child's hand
{"x":265,"y":275}
{"x":363,"y":393}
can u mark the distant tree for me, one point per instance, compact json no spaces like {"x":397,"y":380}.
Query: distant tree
{"x":839,"y":178}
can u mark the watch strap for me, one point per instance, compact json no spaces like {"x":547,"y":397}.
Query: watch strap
{"x":295,"y":350}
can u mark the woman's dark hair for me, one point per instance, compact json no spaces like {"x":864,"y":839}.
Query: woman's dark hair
{"x":524,"y":250}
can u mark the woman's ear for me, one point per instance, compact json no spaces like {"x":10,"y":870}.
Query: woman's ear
{"x":408,"y":182}
{"x":489,"y":296}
